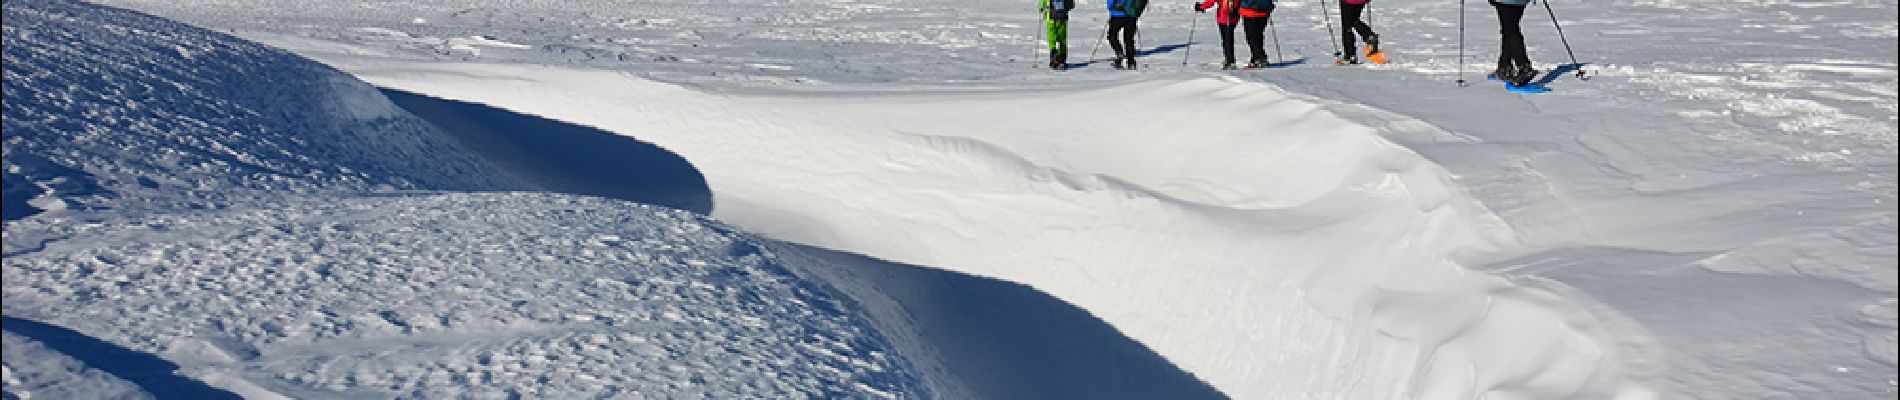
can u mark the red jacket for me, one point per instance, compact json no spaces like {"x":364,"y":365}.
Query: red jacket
{"x":1227,"y":13}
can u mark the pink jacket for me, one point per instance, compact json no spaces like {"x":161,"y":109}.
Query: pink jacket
{"x":1356,"y":2}
{"x":1228,"y":13}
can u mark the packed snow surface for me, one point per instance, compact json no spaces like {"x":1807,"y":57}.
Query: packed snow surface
{"x":1710,"y":215}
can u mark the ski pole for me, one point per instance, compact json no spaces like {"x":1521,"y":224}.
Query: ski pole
{"x":1037,"y":49}
{"x":1098,"y":44}
{"x":1276,"y":39}
{"x":1461,"y":43}
{"x":1330,"y":33}
{"x":1190,"y":44}
{"x":1560,"y":36}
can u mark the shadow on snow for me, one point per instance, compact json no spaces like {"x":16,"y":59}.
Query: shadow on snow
{"x":1558,"y":73}
{"x":155,"y":375}
{"x":1138,"y":53}
{"x":1002,"y":340}
{"x":564,"y":157}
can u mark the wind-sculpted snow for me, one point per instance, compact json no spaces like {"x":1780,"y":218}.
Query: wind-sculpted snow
{"x":1711,"y":215}
{"x":112,"y":109}
{"x":455,"y":295}
{"x":1241,"y":269}
{"x":183,"y":201}
{"x":31,"y":367}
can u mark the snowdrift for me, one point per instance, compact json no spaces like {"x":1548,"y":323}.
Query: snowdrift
{"x":1253,"y":270}
{"x":264,"y":226}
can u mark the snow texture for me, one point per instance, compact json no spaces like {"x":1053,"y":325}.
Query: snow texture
{"x":1710,"y":215}
{"x":455,"y":295}
{"x":214,"y":218}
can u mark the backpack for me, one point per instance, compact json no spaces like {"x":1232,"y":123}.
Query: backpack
{"x":1257,"y":4}
{"x":1134,"y":7}
{"x":1059,"y":9}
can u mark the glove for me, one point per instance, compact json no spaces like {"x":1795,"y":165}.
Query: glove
{"x":1199,"y":8}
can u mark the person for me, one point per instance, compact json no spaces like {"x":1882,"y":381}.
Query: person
{"x":1055,"y":17}
{"x":1226,"y":18}
{"x":1253,"y":18}
{"x":1349,"y":11}
{"x":1123,"y":16}
{"x":1514,"y":64}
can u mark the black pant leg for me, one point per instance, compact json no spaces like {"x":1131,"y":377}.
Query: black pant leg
{"x":1513,"y":52}
{"x":1256,"y":35}
{"x":1348,"y":22}
{"x":1227,"y":41}
{"x":1128,"y":37}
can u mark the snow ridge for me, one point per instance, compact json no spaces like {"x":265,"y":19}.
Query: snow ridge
{"x":108,"y":105}
{"x":279,"y":229}
{"x":1228,"y":266}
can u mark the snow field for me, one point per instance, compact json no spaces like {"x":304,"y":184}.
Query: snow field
{"x":1751,"y":138}
{"x":456,"y":295}
{"x":272,"y":228}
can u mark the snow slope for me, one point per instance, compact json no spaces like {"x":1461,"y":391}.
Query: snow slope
{"x":454,"y":295}
{"x":213,"y":218}
{"x":1711,"y":216}
{"x":125,"y":109}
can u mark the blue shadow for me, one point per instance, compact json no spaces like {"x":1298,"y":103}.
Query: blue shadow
{"x":1001,"y":339}
{"x":1559,"y":72}
{"x":1284,"y":64}
{"x":1161,"y":49}
{"x":1138,"y":53}
{"x":152,"y":374}
{"x":564,"y":157}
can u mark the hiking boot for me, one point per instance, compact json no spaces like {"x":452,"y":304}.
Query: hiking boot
{"x":1256,"y":64}
{"x":1117,"y":64}
{"x":1131,"y":63}
{"x":1522,"y":75}
{"x":1228,"y":65}
{"x":1372,"y":43}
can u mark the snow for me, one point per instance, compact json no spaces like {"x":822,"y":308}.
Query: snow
{"x":32,"y":370}
{"x":1710,"y":215}
{"x":247,"y":223}
{"x":455,"y":295}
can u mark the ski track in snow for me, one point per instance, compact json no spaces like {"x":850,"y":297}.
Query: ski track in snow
{"x":1740,"y":152}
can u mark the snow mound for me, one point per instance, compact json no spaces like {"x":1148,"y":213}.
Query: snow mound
{"x":271,"y":227}
{"x":1312,"y":259}
{"x":456,"y":295}
{"x":110,"y":106}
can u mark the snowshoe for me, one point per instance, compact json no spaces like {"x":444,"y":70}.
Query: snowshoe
{"x":1373,"y":53}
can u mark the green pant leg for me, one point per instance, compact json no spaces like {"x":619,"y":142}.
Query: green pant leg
{"x":1058,"y":36}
